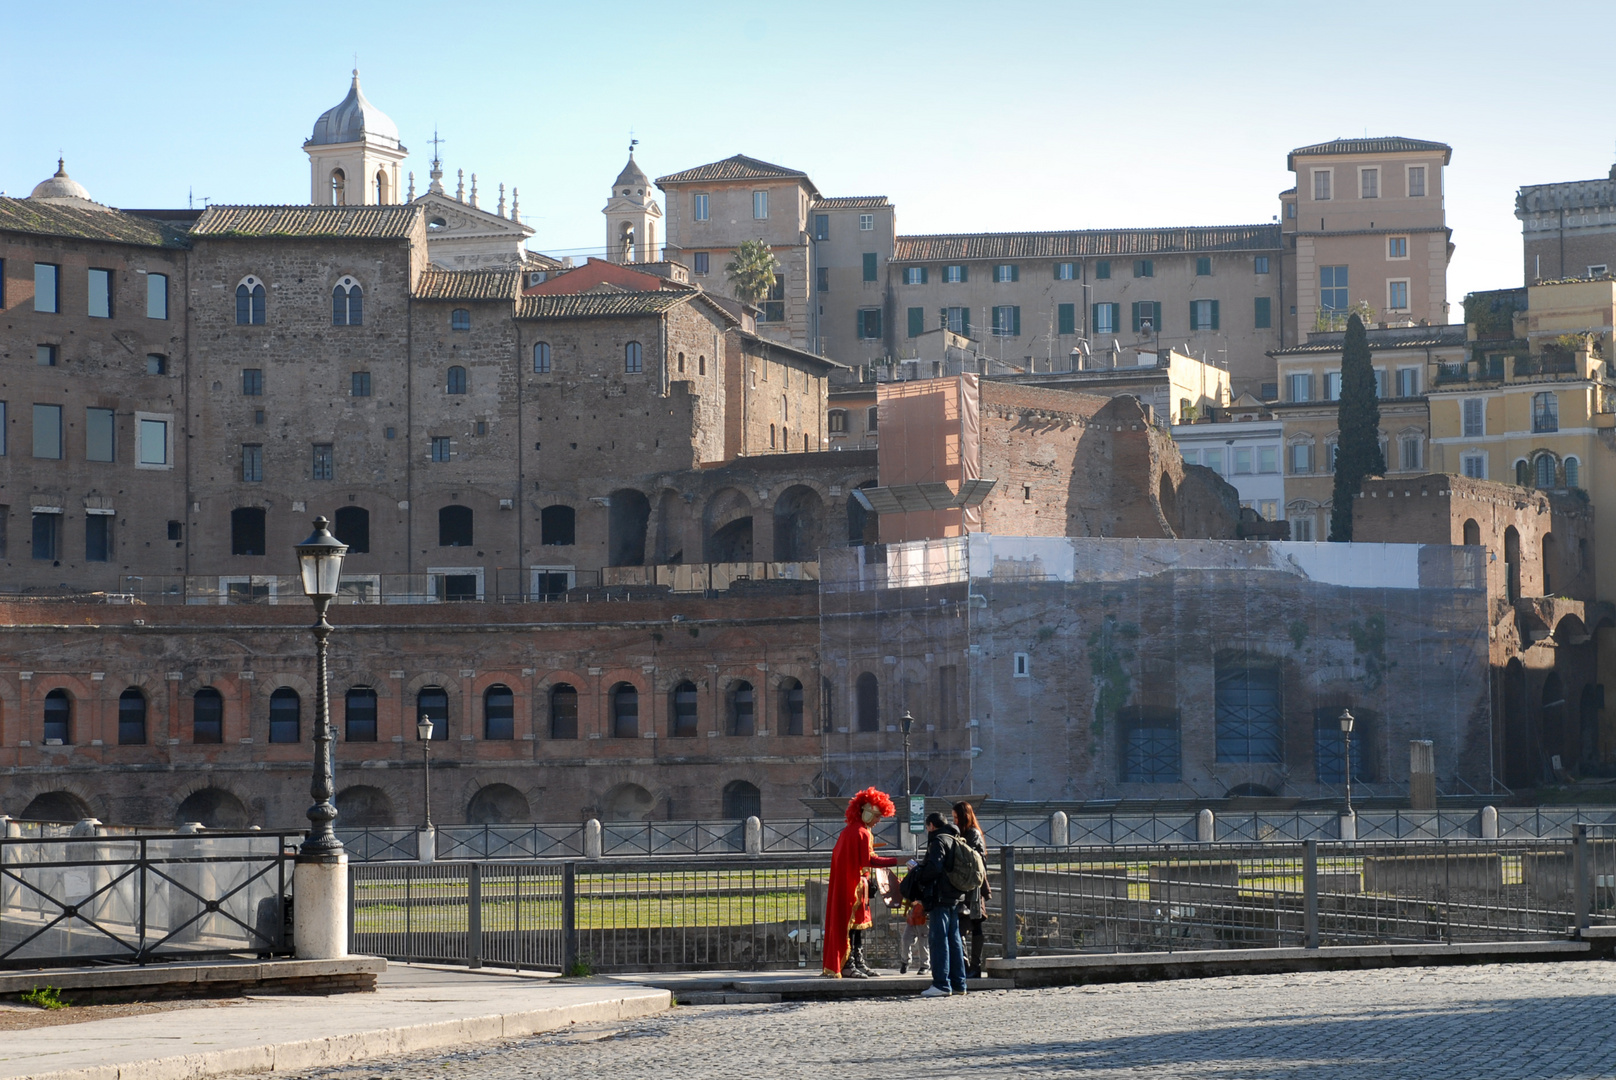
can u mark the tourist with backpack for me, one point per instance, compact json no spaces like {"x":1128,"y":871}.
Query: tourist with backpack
{"x":949,"y":871}
{"x":975,"y":915}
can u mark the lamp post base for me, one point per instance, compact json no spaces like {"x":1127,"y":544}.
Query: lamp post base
{"x":320,"y":910}
{"x":426,"y":844}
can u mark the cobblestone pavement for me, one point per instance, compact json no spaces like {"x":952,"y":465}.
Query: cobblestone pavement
{"x":1550,"y":1020}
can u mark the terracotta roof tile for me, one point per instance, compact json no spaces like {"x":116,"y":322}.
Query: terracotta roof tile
{"x":346,"y":222}
{"x":113,"y":226}
{"x":739,"y":167}
{"x":1391,"y":144}
{"x":599,"y":305}
{"x":851,"y":202}
{"x":1086,"y":243}
{"x":467,"y":285}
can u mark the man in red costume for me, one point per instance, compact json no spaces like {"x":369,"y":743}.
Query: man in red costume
{"x":847,"y":901}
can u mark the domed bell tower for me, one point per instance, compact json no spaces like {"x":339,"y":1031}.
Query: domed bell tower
{"x":355,"y":155}
{"x":633,"y":218}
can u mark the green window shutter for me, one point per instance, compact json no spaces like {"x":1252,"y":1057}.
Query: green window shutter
{"x":878,"y":330}
{"x":1015,"y":272}
{"x":1137,"y":321}
{"x":1193,"y":324}
{"x":917,"y":321}
{"x":996,"y":327}
{"x":1066,"y":316}
{"x":869,"y":266}
{"x":1155,"y":316}
{"x":923,"y":275}
{"x":1094,"y":316}
{"x":965,"y":322}
{"x":1214,"y":314}
{"x":1265,"y":318}
{"x":965,"y":273}
{"x":1015,"y":319}
{"x":1102,"y":269}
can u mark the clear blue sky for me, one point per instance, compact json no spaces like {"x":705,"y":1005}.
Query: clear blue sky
{"x":970,"y":116}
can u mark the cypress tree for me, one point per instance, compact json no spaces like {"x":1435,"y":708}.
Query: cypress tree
{"x":1357,"y":452}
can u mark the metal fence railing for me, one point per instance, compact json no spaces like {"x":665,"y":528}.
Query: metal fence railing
{"x":138,"y":899}
{"x":510,"y":842}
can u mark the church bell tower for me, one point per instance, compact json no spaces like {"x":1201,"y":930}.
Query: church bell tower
{"x":633,"y":218}
{"x":355,"y":155}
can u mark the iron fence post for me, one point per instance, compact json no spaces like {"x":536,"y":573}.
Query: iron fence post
{"x":1582,"y":895}
{"x":569,"y":916}
{"x":474,"y":915}
{"x":1310,"y":892}
{"x":1007,"y":868}
{"x":140,"y":930}
{"x":352,"y":870}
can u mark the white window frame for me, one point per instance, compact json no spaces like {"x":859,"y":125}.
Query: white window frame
{"x":911,"y":275}
{"x":436,"y":574}
{"x":1481,"y":411}
{"x":1113,"y":313}
{"x":1408,"y":181}
{"x":866,"y":223}
{"x":1408,"y":300}
{"x":1413,"y":379}
{"x":368,"y":590}
{"x":1065,"y":271}
{"x":760,"y":202}
{"x":1364,"y":172}
{"x":1003,"y":274}
{"x":534,"y":570}
{"x":1390,"y":240}
{"x":1404,"y":441}
{"x":167,"y":420}
{"x":954,"y":274}
{"x":1332,"y":386}
{"x":1021,"y":666}
{"x":270,"y":582}
{"x":701,"y":206}
{"x":1329,"y":185}
{"x":1470,"y":456}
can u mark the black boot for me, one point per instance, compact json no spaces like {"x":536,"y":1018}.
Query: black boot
{"x":976,"y":955}
{"x":852,"y":971}
{"x":858,"y":962}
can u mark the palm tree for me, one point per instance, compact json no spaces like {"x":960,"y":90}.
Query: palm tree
{"x":751,"y":271}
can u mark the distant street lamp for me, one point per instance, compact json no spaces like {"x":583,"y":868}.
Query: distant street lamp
{"x":319,"y":559}
{"x":1346,"y":751}
{"x":907,"y":722}
{"x":423,"y":731}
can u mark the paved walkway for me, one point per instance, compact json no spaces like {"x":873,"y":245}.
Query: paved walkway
{"x":414,"y":1009}
{"x":1496,"y":1022}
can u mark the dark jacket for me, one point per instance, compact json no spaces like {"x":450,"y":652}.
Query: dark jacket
{"x":932,"y":873}
{"x":976,"y":906}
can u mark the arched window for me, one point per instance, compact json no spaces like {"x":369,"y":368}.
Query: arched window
{"x":131,"y":718}
{"x":58,"y":718}
{"x":499,"y":712}
{"x":771,"y":436}
{"x":633,"y":360}
{"x":247,"y":530}
{"x":563,"y":712}
{"x":684,"y":711}
{"x":837,"y":421}
{"x":557,"y":526}
{"x":359,"y":715}
{"x":1512,"y":564}
{"x":870,"y":415}
{"x":701,"y":365}
{"x":353,"y":528}
{"x":791,"y":706}
{"x":432,"y":704}
{"x":454,"y":526}
{"x":285,"y":715}
{"x":1573,"y":473}
{"x":742,"y":709}
{"x":541,"y":358}
{"x":207,"y":716}
{"x":381,"y":187}
{"x":681,"y":363}
{"x":347,"y":303}
{"x":1523,"y":472}
{"x":456,"y":383}
{"x":868,"y":692}
{"x":1543,"y":471}
{"x":250,"y":302}
{"x":460,"y":319}
{"x":1548,"y":550}
{"x":625,"y":712}
{"x":339,"y":188}
{"x":1472,"y":533}
{"x":742,"y":800}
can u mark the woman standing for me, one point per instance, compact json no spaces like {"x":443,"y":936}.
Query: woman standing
{"x":976,"y":910}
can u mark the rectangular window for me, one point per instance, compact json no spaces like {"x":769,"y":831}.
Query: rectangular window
{"x":1102,"y":269}
{"x":1007,"y":321}
{"x":156,"y":296}
{"x":917,"y":321}
{"x":1203,"y":266}
{"x":700,"y":207}
{"x":1332,"y":386}
{"x":48,"y":432}
{"x":1144,"y":268}
{"x":1065,"y":271}
{"x":774,"y":305}
{"x":45,"y":355}
{"x":97,"y":537}
{"x":1147,"y":317}
{"x":252,"y":381}
{"x":869,"y":323}
{"x":360,"y":386}
{"x":1006,"y":272}
{"x":1408,"y":382}
{"x":871,"y":266}
{"x":98,"y":435}
{"x":1416,"y":181}
{"x":252,"y":463}
{"x":100,"y":298}
{"x":959,"y":320}
{"x":1066,"y":318}
{"x":1268,"y":459}
{"x":1259,"y":265}
{"x":2,"y":446}
{"x":1545,"y":412}
{"x":1333,"y":288}
{"x":1381,"y":390}
{"x":1301,"y":459}
{"x":700,"y":261}
{"x":760,"y":205}
{"x":1369,"y":183}
{"x":1475,"y":413}
{"x":324,"y":466}
{"x":1106,"y":317}
{"x":1242,"y":461}
{"x":822,"y":278}
{"x":46,"y":293}
{"x":152,"y":442}
{"x":1410,"y":447}
{"x":1213,"y":459}
{"x":1203,"y":314}
{"x":1301,"y":385}
{"x":866,"y":223}
{"x":1302,"y":528}
{"x":441,"y":448}
{"x":821,"y":226}
{"x":1321,"y":185}
{"x":1263,"y":316}
{"x":47,"y":529}
{"x":1473,"y":465}
{"x":1397,"y":247}
{"x":955,"y":275}
{"x":156,"y":364}
{"x":914,"y":275}
{"x":1397,"y":296}
{"x":1247,"y":721}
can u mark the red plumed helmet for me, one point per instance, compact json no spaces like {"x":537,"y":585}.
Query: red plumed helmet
{"x":869,"y":797}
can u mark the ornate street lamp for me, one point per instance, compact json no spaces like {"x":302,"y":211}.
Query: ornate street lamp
{"x":319,"y":559}
{"x":1346,"y":750}
{"x":423,"y":731}
{"x":907,"y":721}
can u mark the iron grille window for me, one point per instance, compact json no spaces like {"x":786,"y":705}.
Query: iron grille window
{"x":1248,"y":720}
{"x":1150,"y":748}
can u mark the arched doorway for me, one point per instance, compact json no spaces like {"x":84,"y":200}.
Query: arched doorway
{"x":498,"y":804}
{"x":627,"y":802}
{"x":1519,"y":766}
{"x":742,"y":800}
{"x":630,"y":514}
{"x":798,"y":525}
{"x":1512,"y":564}
{"x":213,"y":807}
{"x":728,"y":527}
{"x":61,"y":806}
{"x":1555,"y":743}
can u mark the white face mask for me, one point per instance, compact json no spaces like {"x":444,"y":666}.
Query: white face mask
{"x":871,"y":815}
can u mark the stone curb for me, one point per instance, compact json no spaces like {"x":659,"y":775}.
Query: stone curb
{"x":625,"y":1004}
{"x":197,"y":975}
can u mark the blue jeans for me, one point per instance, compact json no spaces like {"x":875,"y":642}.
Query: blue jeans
{"x":947,"y":949}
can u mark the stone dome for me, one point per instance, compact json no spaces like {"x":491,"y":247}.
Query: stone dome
{"x":354,"y":119}
{"x":632,"y":180}
{"x":61,"y":187}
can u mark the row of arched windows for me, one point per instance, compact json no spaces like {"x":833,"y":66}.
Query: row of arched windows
{"x":1544,"y":470}
{"x":350,"y":525}
{"x":347,"y":302}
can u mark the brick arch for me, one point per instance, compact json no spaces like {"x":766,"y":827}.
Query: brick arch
{"x":341,"y":684}
{"x":80,"y":691}
{"x":450,"y":684}
{"x":30,"y":788}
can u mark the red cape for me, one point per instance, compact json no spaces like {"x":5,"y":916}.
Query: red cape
{"x":847,"y":901}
